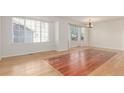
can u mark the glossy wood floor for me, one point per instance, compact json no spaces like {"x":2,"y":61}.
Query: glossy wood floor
{"x":78,"y":61}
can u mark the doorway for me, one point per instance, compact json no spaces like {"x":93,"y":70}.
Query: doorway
{"x":76,"y":36}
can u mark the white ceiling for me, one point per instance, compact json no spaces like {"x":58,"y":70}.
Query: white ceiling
{"x":85,"y":19}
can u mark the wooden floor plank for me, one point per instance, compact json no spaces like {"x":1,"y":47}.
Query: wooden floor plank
{"x":77,"y":61}
{"x":80,"y":62}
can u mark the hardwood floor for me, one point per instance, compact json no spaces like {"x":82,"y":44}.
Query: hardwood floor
{"x":29,"y":65}
{"x":79,"y":61}
{"x":113,"y":67}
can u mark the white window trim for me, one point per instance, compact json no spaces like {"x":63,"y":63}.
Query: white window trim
{"x":24,"y":31}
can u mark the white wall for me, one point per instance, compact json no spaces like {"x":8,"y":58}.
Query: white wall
{"x":10,"y":49}
{"x":61,"y":35}
{"x":86,"y":37}
{"x":58,"y":37}
{"x":0,"y":40}
{"x":123,"y":39}
{"x":109,"y":34}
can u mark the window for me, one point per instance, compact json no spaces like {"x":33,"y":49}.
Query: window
{"x":76,"y":33}
{"x":44,"y":33}
{"x":82,"y":33}
{"x":28,"y":31}
{"x":18,"y":30}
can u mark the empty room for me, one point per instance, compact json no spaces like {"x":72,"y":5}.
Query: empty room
{"x":61,"y":46}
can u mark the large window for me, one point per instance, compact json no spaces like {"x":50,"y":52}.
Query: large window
{"x":29,"y":31}
{"x":76,"y":33}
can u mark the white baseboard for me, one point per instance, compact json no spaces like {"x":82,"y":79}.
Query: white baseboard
{"x":113,"y":49}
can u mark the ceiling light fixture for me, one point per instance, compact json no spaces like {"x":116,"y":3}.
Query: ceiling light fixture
{"x":90,"y":24}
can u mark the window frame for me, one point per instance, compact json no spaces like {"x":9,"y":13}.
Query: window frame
{"x":24,"y":18}
{"x":77,"y":30}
